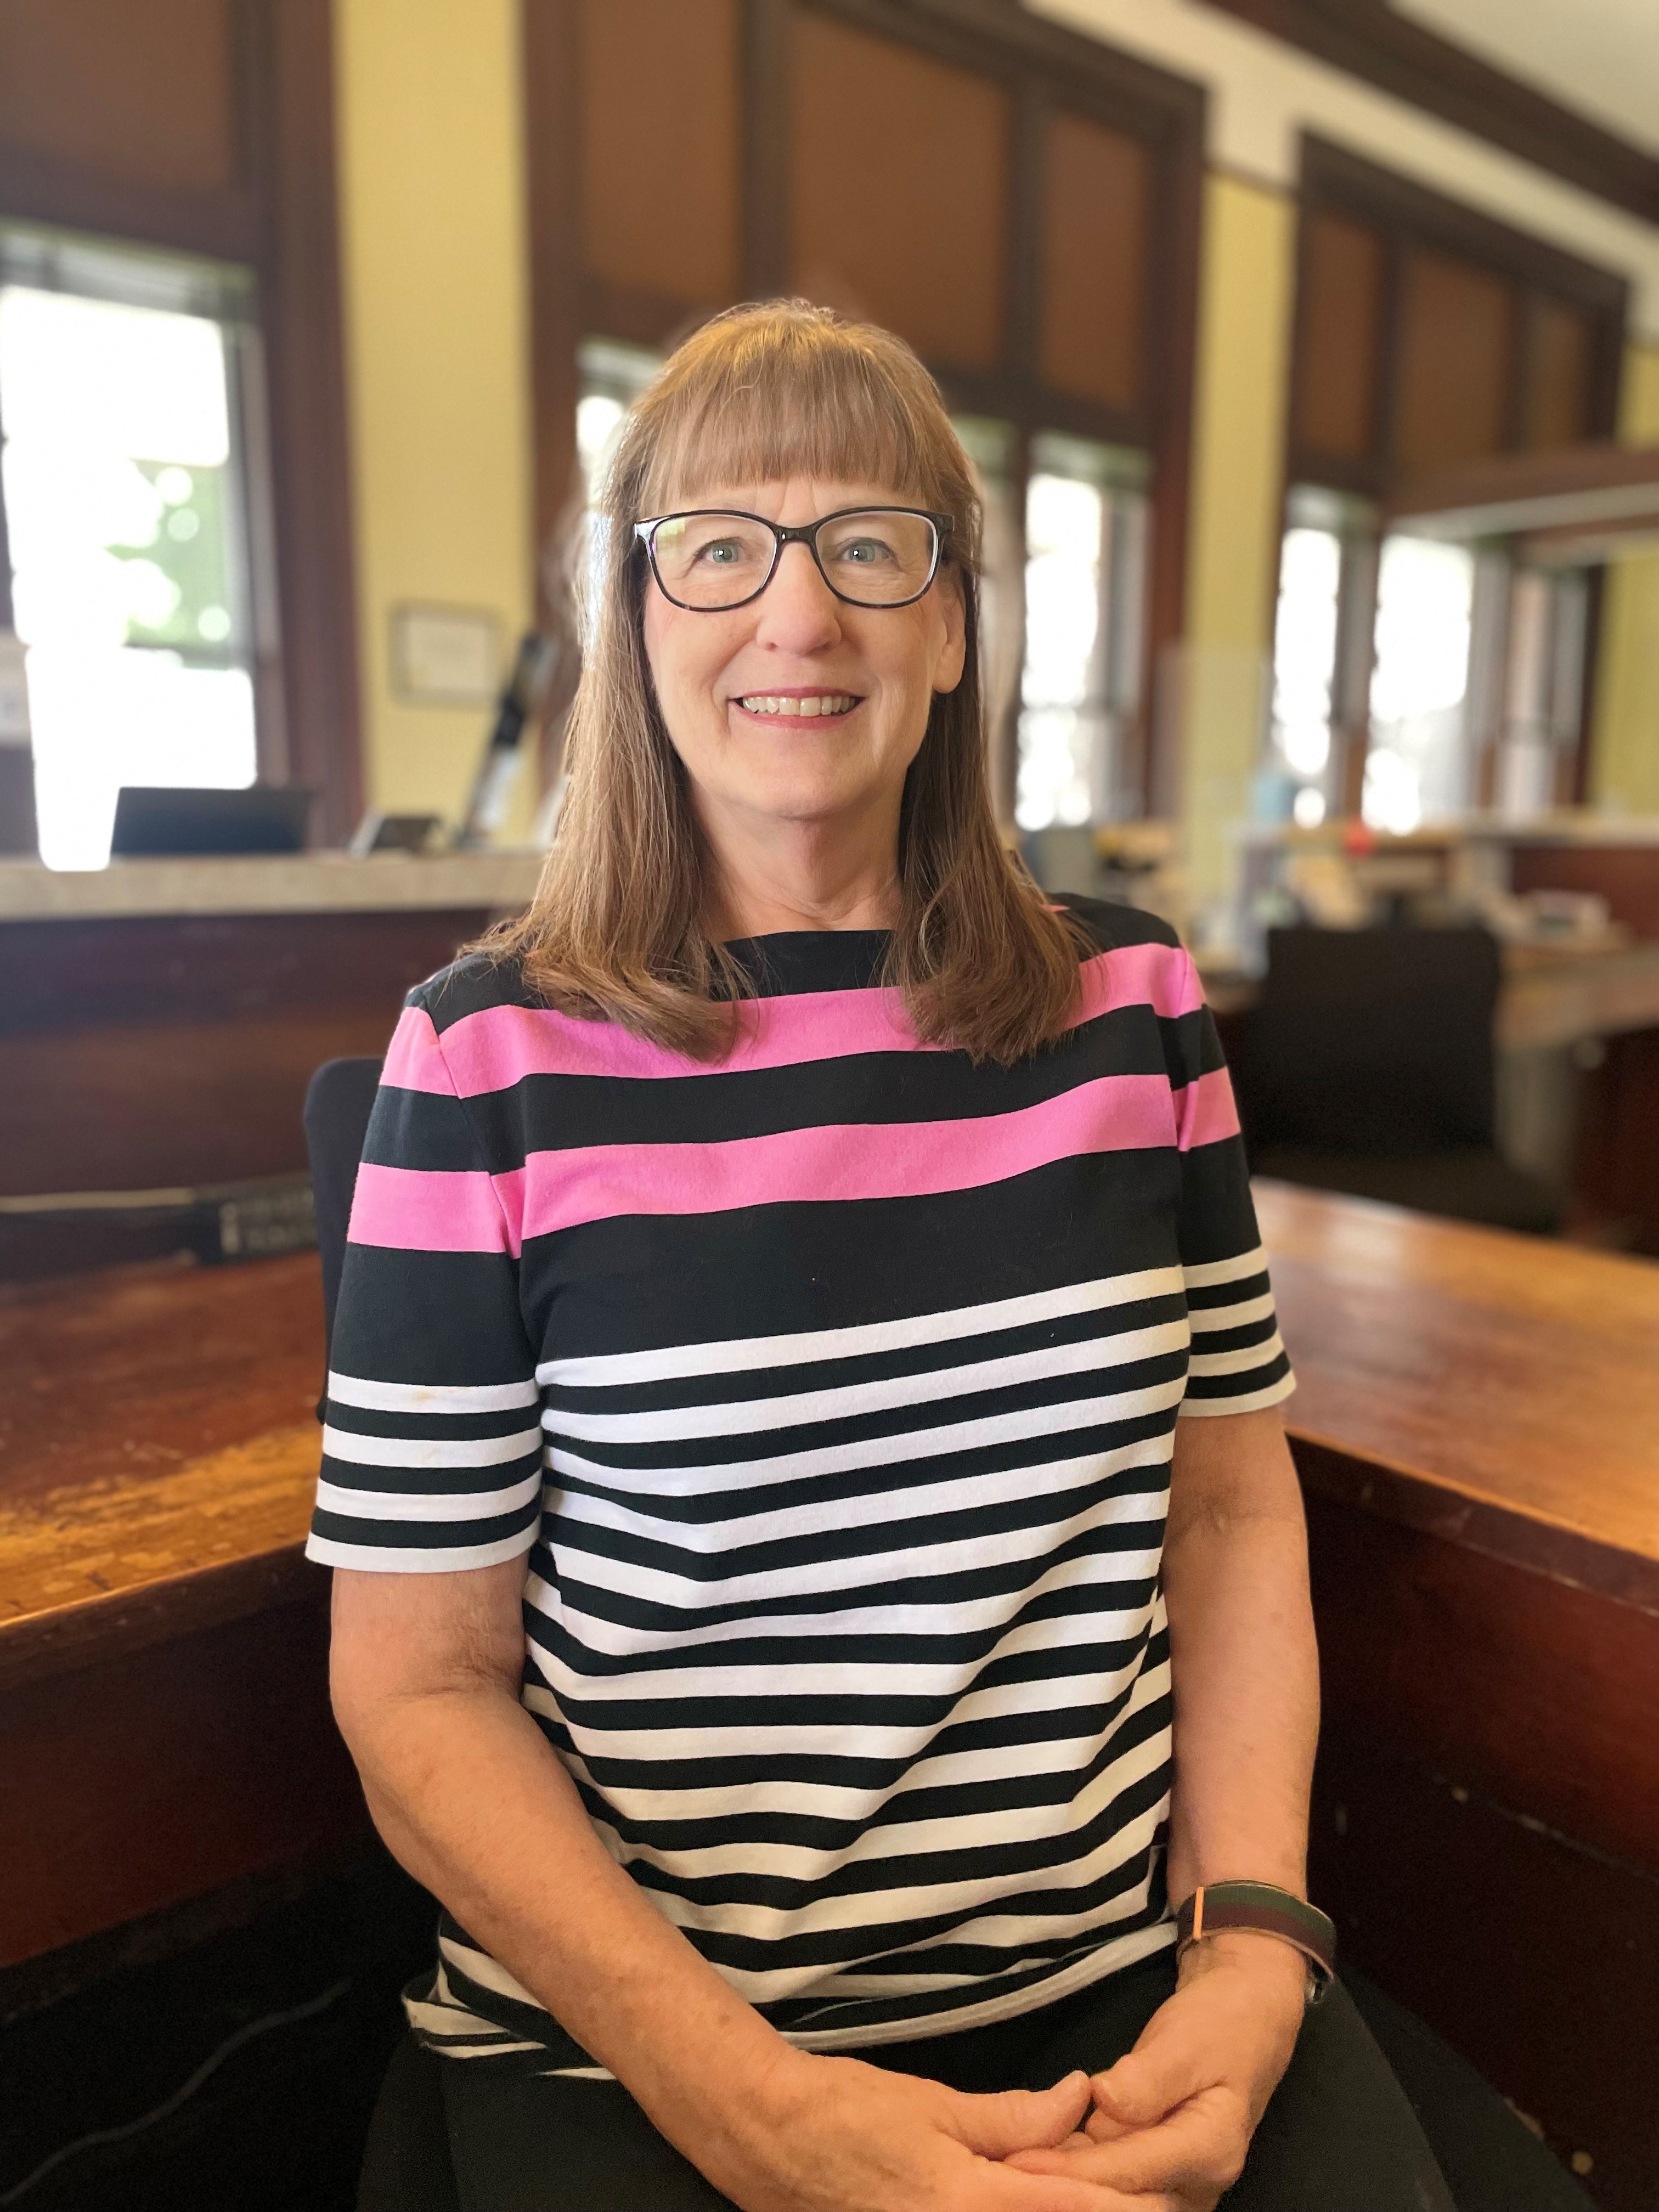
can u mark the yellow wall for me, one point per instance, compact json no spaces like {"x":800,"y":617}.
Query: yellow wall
{"x":1625,"y":762}
{"x":1246,"y":286}
{"x":435,"y":275}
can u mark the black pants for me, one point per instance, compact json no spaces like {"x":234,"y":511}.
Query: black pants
{"x":1345,"y":2131}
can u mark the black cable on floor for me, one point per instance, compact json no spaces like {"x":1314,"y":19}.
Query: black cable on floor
{"x":168,"y":2105}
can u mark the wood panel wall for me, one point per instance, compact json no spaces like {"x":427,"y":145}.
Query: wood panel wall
{"x":1427,"y":335}
{"x":206,"y":127}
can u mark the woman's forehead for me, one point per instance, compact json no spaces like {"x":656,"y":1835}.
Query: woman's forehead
{"x":777,"y":497}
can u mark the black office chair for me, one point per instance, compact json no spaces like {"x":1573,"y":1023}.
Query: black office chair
{"x":1369,"y":1066}
{"x":339,"y":1099}
{"x":406,"y":2158}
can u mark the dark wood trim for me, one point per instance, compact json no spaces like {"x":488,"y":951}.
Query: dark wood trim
{"x":1595,"y":582}
{"x":7,"y":619}
{"x":1346,"y":182}
{"x":34,"y":187}
{"x":310,"y":438}
{"x":1173,"y":321}
{"x":1404,"y":215}
{"x":280,"y":218}
{"x":765,"y":173}
{"x":1381,"y":47}
{"x":551,"y":44}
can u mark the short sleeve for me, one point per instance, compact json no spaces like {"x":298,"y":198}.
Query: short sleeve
{"x":432,"y":1447}
{"x":1238,"y":1361}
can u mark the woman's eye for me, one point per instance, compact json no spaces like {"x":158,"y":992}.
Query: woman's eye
{"x":721,"y":551}
{"x":865,"y":552}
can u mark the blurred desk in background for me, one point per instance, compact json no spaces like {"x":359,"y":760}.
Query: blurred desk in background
{"x":1578,"y":1039}
{"x":1476,"y":1430}
{"x":160,"y":1019}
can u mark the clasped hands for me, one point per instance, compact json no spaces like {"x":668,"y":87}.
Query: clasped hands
{"x":1166,"y":2130}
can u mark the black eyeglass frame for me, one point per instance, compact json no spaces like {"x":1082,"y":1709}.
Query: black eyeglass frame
{"x":797,"y":534}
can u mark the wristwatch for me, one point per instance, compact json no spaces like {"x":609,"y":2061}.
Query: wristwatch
{"x":1264,"y":1910}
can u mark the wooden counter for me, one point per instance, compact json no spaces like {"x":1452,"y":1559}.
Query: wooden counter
{"x":1477,"y":1428}
{"x":164,"y":1722}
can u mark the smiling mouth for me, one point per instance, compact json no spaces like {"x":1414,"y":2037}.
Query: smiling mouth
{"x":810,"y":705}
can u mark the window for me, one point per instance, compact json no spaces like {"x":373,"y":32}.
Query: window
{"x":123,"y":377}
{"x":1419,"y":767}
{"x":1321,"y":654}
{"x":1085,"y":533}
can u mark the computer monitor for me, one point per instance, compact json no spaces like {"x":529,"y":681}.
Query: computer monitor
{"x":153,"y":820}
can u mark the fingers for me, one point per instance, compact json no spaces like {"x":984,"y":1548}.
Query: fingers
{"x":1021,"y":2119}
{"x":1008,"y":2190}
{"x":1153,"y":2079}
{"x":1201,"y":2148}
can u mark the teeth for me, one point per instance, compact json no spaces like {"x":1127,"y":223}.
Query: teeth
{"x":816,"y":702}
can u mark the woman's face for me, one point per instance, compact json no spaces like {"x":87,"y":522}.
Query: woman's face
{"x":731,"y":685}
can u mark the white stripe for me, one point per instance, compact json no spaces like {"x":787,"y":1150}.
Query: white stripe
{"x":747,"y":1417}
{"x":403,"y":1559}
{"x":946,"y":1493}
{"x":895,"y":1840}
{"x":433,"y":1398}
{"x":1250,"y":1401}
{"x":880,"y":1616}
{"x":732,"y":1355}
{"x":1205,"y":1319}
{"x":712,"y":1685}
{"x":455,"y":1507}
{"x":1016,"y":1427}
{"x":429,"y":1451}
{"x":971,"y":1895}
{"x":1238,"y":1363}
{"x":832,"y":1740}
{"x":1225,"y":1271}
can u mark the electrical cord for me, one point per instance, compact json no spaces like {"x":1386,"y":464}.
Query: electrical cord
{"x":168,"y":2105}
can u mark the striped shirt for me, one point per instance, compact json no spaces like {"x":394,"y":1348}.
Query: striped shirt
{"x":829,"y":1392}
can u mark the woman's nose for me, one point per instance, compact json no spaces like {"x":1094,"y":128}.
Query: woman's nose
{"x":798,"y":612}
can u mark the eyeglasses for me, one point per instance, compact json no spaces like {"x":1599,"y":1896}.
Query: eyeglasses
{"x":712,"y":559}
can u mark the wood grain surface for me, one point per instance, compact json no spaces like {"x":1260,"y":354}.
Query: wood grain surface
{"x":158,"y":1451}
{"x":1510,"y":1379}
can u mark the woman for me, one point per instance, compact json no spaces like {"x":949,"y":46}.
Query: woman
{"x":808,"y":1771}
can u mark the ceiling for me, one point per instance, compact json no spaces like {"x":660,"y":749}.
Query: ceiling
{"x":1598,"y":57}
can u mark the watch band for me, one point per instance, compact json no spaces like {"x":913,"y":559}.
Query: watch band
{"x":1263,"y":1909}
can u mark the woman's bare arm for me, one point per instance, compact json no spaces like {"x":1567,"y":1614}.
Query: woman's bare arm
{"x":470,"y":1796}
{"x":1175,"y":2117}
{"x":1242,"y":1655}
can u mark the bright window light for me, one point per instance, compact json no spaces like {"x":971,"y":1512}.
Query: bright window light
{"x":1417,"y":768}
{"x":1304,"y":650}
{"x":123,"y":511}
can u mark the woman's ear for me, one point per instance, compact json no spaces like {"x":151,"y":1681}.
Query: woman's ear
{"x":953,"y":656}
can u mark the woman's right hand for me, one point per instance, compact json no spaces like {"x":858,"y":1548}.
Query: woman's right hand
{"x":835,"y":2134}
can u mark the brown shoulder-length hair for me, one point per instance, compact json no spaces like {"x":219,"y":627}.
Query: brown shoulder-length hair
{"x":618,"y":928}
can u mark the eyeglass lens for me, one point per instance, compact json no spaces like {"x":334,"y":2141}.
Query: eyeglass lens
{"x":876,"y":558}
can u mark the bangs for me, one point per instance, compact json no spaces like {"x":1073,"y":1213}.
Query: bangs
{"x":767,"y":394}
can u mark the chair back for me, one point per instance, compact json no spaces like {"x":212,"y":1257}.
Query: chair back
{"x":1373,"y":1041}
{"x":338,"y":1101}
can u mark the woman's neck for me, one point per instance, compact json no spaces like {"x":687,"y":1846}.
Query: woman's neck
{"x":799,"y":876}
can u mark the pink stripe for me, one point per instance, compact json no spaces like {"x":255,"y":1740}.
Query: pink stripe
{"x":427,"y":1210}
{"x":414,"y":1059}
{"x":877,"y":1160}
{"x":1205,"y":1111}
{"x":492,"y":1049}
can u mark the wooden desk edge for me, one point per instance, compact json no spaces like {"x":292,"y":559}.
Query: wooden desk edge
{"x":1418,"y":1499}
{"x":36,"y":1646}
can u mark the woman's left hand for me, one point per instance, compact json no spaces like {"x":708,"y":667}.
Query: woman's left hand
{"x":1173,"y":2119}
